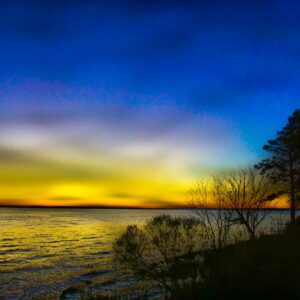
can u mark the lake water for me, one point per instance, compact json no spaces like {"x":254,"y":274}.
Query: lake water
{"x":44,"y":251}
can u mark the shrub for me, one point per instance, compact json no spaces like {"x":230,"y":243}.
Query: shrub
{"x":165,"y":251}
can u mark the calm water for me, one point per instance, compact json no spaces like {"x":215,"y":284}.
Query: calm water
{"x":44,"y":251}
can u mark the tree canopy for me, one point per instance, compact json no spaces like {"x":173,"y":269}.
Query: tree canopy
{"x":283,"y":165}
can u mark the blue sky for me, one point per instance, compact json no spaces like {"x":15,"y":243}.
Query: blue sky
{"x":180,"y":87}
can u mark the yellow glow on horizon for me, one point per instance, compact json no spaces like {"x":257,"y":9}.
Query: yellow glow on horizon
{"x":73,"y":190}
{"x":35,"y":180}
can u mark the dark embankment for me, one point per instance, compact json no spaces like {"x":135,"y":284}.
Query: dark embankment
{"x":266,"y":268}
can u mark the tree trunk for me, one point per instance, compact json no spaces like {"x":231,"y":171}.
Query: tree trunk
{"x":293,"y":199}
{"x":250,"y":230}
{"x":292,"y":190}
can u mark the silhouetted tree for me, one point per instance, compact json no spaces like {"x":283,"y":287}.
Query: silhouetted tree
{"x":284,"y":164}
{"x":249,"y":195}
{"x":207,"y":198}
{"x":164,"y":251}
{"x":241,"y":197}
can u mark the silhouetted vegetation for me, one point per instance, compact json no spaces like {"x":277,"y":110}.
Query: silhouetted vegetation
{"x":165,"y":251}
{"x":284,"y":164}
{"x":204,"y":257}
{"x":216,"y":225}
{"x":249,"y":196}
{"x":184,"y":255}
{"x":267,"y":267}
{"x":241,"y":197}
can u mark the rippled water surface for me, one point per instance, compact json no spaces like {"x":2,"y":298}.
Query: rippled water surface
{"x":44,"y":251}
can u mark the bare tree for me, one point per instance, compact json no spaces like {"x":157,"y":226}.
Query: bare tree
{"x":208,"y":198}
{"x":250,"y":197}
{"x":242,"y":197}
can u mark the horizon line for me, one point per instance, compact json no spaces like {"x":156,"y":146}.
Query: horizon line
{"x":94,"y":206}
{"x":121,"y":207}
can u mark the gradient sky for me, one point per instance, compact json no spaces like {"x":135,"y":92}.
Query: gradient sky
{"x":129,"y":102}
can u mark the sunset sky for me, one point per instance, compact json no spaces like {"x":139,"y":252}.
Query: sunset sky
{"x":127,"y":103}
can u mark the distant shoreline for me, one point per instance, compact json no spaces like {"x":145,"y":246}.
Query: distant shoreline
{"x":119,"y":207}
{"x":90,"y":207}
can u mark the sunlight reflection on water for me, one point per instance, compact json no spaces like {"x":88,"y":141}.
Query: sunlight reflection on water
{"x":43,"y":251}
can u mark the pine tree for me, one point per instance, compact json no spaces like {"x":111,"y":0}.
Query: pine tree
{"x":283,"y":165}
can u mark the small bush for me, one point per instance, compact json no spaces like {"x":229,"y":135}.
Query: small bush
{"x":165,"y":251}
